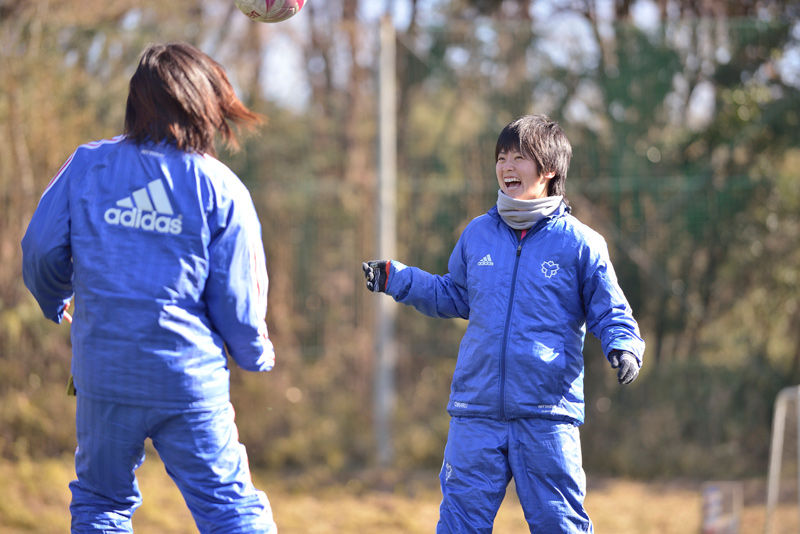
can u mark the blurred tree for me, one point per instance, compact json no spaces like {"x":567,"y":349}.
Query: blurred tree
{"x":680,"y":126}
{"x":685,"y":155}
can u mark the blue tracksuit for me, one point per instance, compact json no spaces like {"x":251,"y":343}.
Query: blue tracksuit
{"x":517,"y":389}
{"x":162,"y":251}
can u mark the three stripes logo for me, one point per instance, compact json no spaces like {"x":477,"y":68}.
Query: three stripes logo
{"x":148,"y":209}
{"x":486,"y":260}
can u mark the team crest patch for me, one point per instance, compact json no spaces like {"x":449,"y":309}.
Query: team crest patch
{"x":549,"y":268}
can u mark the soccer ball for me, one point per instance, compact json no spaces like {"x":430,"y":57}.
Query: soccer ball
{"x":269,"y":10}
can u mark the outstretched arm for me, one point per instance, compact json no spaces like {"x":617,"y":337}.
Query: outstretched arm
{"x":377,"y":274}
{"x":432,"y":294}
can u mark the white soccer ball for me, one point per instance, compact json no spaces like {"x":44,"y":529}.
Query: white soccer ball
{"x":269,"y":10}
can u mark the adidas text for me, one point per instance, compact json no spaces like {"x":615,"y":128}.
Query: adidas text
{"x":486,"y":260}
{"x":145,"y":220}
{"x":147,"y":208}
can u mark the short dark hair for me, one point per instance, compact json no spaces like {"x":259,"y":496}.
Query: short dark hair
{"x":180,"y":95}
{"x":543,"y":141}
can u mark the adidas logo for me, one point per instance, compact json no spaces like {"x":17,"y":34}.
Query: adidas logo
{"x":486,"y":260}
{"x":148,"y":209}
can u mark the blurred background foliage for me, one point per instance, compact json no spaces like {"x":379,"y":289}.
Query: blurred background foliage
{"x":683,"y":117}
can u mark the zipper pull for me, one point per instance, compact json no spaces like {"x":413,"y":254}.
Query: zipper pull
{"x":519,"y":249}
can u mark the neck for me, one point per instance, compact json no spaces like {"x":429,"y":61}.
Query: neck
{"x":523,"y":214}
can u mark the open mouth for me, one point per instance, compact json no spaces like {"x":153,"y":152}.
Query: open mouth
{"x":511,"y":182}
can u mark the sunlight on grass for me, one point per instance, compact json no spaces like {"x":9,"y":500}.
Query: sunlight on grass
{"x":34,"y":498}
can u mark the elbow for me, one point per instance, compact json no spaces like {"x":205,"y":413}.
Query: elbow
{"x":257,"y":357}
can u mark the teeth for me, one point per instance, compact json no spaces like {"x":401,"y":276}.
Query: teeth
{"x":511,"y":181}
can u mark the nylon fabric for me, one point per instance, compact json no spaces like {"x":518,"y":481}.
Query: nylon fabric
{"x":163,"y":252}
{"x":529,"y":303}
{"x":200,"y":450}
{"x":542,"y":456}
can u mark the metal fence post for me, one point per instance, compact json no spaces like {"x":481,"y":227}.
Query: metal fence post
{"x":386,"y":350}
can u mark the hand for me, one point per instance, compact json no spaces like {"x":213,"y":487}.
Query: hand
{"x":65,"y":314}
{"x":377,"y":274}
{"x":627,"y":364}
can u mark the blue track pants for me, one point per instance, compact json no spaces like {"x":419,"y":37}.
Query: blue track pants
{"x":543,"y":457}
{"x":200,"y":450}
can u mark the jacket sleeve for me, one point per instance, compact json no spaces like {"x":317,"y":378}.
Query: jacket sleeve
{"x":608,"y":315}
{"x":236,"y":289}
{"x":46,"y":250}
{"x":434,"y":295}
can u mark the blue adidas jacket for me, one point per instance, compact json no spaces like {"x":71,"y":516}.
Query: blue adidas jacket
{"x":528,"y":303}
{"x":162,"y":250}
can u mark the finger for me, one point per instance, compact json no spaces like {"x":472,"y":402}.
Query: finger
{"x":633,"y":375}
{"x":369,"y":274}
{"x":627,"y":374}
{"x":614,"y":361}
{"x":622,"y":375}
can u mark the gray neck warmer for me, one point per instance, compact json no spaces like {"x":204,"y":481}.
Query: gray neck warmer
{"x":522,"y":214}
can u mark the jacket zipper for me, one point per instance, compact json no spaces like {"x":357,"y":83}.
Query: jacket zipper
{"x":528,"y":233}
{"x":505,"y":333}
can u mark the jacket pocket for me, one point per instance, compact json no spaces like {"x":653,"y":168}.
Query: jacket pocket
{"x":547,"y":366}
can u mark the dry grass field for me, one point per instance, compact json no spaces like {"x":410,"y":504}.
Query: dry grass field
{"x":34,"y":499}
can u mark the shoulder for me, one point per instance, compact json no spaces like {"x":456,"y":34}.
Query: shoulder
{"x":97,"y":148}
{"x":225,"y":191}
{"x":94,"y":150}
{"x":580,"y":231}
{"x":215,"y":179}
{"x":486,"y":222}
{"x":103,"y":143}
{"x":219,"y":174}
{"x":590,"y":246}
{"x":86,"y":154}
{"x":211,"y":164}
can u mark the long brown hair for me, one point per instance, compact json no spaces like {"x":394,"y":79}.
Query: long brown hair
{"x":180,"y":95}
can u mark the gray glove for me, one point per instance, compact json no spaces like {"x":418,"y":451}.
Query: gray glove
{"x":627,"y":364}
{"x":377,"y":274}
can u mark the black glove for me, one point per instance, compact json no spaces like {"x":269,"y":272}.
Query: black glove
{"x":627,"y":364}
{"x":377,"y":275}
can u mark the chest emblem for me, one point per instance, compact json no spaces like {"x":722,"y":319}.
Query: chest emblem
{"x":486,"y":260}
{"x":549,"y":268}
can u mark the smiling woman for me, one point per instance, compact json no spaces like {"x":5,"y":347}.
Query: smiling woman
{"x":519,"y":176}
{"x":519,"y":371}
{"x":532,"y":157}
